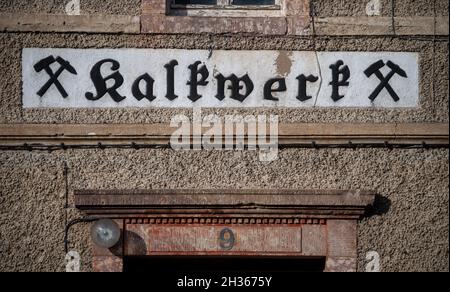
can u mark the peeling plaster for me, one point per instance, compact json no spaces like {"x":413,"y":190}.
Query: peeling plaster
{"x":373,"y":8}
{"x":284,"y":63}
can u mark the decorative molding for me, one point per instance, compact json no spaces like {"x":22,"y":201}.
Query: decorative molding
{"x":227,"y":205}
{"x":291,"y":24}
{"x":64,"y":136}
{"x":194,"y":223}
{"x":221,"y":220}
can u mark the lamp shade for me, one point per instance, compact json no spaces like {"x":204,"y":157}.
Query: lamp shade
{"x":105,"y":233}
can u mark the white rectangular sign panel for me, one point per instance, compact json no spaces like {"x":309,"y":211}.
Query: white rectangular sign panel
{"x":117,"y":78}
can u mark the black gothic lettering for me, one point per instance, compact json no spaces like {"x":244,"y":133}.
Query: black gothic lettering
{"x":375,"y":69}
{"x":45,"y":64}
{"x":170,"y":67}
{"x":302,"y":82}
{"x":100,"y":81}
{"x":137,"y":93}
{"x":235,"y":86}
{"x":337,"y":71}
{"x":268,"y":90}
{"x":194,"y":82}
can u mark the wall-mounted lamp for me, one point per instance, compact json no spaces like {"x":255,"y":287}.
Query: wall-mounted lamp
{"x":105,"y":233}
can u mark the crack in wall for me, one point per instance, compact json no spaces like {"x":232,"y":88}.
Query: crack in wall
{"x":316,"y":54}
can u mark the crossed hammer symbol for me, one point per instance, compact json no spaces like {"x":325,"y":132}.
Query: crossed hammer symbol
{"x":375,"y":69}
{"x":45,"y":65}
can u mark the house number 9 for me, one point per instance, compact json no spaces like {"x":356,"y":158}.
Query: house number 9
{"x":226,"y":239}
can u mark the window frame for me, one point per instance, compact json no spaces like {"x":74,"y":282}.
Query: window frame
{"x":291,"y":17}
{"x":225,"y":8}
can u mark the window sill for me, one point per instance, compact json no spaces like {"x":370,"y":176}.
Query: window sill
{"x":292,"y":17}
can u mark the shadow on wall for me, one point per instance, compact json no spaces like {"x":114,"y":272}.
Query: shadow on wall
{"x":117,"y":249}
{"x":135,"y":244}
{"x":381,"y":206}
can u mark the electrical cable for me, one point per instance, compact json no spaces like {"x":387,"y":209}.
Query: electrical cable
{"x":72,"y":223}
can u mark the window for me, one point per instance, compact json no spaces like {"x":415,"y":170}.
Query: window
{"x":266,"y":17}
{"x":226,"y":7}
{"x":193,"y":2}
{"x":224,"y":2}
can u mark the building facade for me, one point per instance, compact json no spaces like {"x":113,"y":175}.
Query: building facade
{"x":361,"y":172}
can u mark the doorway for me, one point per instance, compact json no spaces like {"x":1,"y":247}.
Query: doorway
{"x":223,"y":265}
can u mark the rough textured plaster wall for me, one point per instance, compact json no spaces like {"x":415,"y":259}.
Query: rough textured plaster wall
{"x":429,"y":111}
{"x":420,"y":7}
{"x":409,"y":226}
{"x":440,"y":103}
{"x":128,"y":7}
{"x":325,"y":8}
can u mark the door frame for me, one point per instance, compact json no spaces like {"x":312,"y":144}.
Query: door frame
{"x":278,"y":223}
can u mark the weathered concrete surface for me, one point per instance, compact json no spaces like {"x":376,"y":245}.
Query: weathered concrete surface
{"x":408,"y":228}
{"x":124,"y":7}
{"x":429,"y":111}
